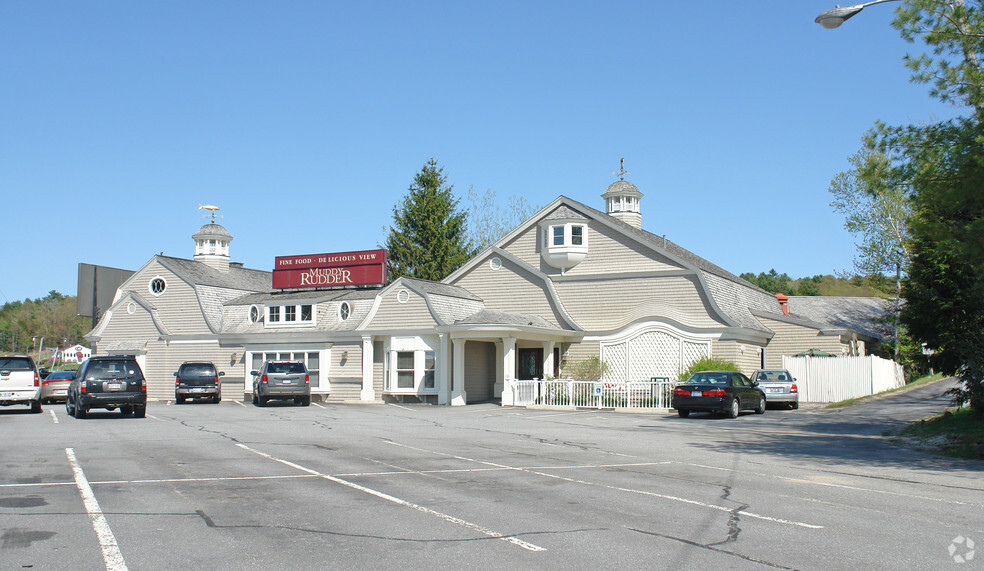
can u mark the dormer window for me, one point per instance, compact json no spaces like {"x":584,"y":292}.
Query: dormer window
{"x":283,"y":315}
{"x":565,"y":243}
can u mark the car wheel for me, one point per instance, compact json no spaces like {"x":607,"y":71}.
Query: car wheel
{"x":306,"y":401}
{"x":794,"y":405}
{"x":179,"y":399}
{"x":216,"y":399}
{"x":733,"y":411}
{"x":80,"y":411}
{"x":68,"y":408}
{"x":262,"y":400}
{"x":683,"y":413}
{"x":35,"y":406}
{"x":126,"y":409}
{"x":254,"y":398}
{"x":140,"y":411}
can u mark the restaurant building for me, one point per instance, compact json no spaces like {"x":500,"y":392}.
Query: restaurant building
{"x":568,"y":284}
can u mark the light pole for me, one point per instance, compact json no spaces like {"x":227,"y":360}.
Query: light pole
{"x":834,"y":17}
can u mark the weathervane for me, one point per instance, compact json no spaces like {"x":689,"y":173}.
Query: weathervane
{"x":212,"y":211}
{"x":621,"y":174}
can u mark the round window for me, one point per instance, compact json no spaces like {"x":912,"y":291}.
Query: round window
{"x":344,"y":310}
{"x":157,"y":286}
{"x":131,"y":308}
{"x":254,"y":314}
{"x":403,"y":296}
{"x":495,"y":263}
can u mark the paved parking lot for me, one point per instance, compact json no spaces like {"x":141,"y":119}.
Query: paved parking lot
{"x":233,"y":486}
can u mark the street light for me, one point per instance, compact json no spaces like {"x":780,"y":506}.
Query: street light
{"x":834,"y":17}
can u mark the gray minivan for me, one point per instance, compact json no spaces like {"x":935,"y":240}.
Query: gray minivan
{"x":281,"y":380}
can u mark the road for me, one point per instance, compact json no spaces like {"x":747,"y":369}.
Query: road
{"x":233,"y":486}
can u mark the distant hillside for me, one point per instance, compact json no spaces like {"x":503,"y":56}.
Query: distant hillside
{"x":856,"y":286}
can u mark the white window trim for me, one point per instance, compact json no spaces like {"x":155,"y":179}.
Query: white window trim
{"x":283,"y":315}
{"x":420,"y":348}
{"x":150,"y":286}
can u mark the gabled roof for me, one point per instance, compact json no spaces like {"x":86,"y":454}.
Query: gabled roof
{"x":197,"y":273}
{"x":732,"y":296}
{"x":867,"y":315}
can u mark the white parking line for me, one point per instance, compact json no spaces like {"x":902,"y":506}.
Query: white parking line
{"x":53,"y":417}
{"x":617,"y":488}
{"x":107,"y":541}
{"x":318,"y":405}
{"x":448,"y":518}
{"x":239,"y":403}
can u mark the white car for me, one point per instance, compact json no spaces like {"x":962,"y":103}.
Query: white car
{"x":20,"y":382}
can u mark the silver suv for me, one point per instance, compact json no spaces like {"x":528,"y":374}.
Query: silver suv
{"x":283,"y":380}
{"x":20,"y":382}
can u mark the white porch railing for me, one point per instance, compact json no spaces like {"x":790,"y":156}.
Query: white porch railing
{"x":591,"y":394}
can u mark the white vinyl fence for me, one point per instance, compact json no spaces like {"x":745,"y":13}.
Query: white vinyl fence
{"x":590,"y":394}
{"x":832,"y":379}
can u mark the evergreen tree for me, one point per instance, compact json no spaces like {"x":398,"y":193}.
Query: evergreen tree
{"x":428,"y":238}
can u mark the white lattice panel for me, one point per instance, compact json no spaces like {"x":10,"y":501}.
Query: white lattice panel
{"x":693,"y":352}
{"x":653,"y":354}
{"x":614,"y":356}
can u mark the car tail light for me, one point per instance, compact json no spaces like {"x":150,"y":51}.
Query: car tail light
{"x":263,"y":379}
{"x":37,"y":379}
{"x":216,"y":379}
{"x":715,"y":393}
{"x":143,"y":385}
{"x":82,"y":386}
{"x":793,"y":389}
{"x":681,"y":392}
{"x":177,"y":380}
{"x":307,"y":379}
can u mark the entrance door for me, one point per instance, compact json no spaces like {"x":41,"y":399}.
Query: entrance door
{"x":530,"y":364}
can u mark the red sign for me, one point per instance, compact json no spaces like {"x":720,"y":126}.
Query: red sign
{"x":367,"y":267}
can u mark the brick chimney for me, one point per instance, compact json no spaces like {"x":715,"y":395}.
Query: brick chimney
{"x":783,"y":303}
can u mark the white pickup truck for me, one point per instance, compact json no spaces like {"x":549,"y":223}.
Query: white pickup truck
{"x":20,"y":382}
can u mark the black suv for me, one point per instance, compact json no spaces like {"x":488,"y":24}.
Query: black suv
{"x":197,"y":381}
{"x":108,"y":382}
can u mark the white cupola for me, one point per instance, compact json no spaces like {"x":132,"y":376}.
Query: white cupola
{"x":212,"y":244}
{"x":622,"y":200}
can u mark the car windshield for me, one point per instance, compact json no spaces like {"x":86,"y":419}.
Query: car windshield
{"x":60,"y":376}
{"x":109,"y":370}
{"x":15,"y":364}
{"x":285,"y":368}
{"x":772,"y":376}
{"x":721,"y":379}
{"x":199,"y":369}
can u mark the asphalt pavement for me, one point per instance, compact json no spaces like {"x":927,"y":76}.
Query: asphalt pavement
{"x":234,"y":486}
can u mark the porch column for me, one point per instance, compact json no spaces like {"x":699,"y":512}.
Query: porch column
{"x":458,"y":395}
{"x":508,"y":369}
{"x":497,"y":387}
{"x":443,"y":372}
{"x":368,"y":391}
{"x":548,"y":359}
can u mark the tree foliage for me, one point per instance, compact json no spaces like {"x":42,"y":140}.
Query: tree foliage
{"x":488,"y":221}
{"x":941,"y":168}
{"x":706,"y":364}
{"x":877,"y":212}
{"x":53,"y":317}
{"x":428,"y":238}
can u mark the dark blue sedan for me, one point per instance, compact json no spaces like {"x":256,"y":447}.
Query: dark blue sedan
{"x":726,"y":392}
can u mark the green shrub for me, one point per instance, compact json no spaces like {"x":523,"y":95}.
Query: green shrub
{"x":592,"y":369}
{"x":706,"y":364}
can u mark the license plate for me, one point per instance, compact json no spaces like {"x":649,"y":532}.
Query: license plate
{"x":114,"y":386}
{"x":287,"y":382}
{"x":61,"y":392}
{"x":773,"y":390}
{"x":6,"y":394}
{"x":197,"y":390}
{"x":696,"y":394}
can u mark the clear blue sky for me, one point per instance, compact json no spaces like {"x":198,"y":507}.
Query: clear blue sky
{"x":306,"y":121}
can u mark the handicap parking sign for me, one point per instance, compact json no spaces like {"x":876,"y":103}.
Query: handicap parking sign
{"x":597,"y":388}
